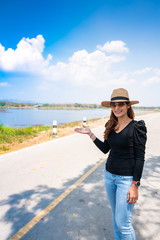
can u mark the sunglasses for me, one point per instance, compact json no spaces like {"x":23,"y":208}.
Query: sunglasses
{"x":119,"y":104}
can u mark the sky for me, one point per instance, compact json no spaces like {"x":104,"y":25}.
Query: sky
{"x":78,"y":51}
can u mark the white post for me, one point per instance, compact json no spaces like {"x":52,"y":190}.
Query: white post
{"x":103,"y":120}
{"x":84,"y":121}
{"x":54,"y":128}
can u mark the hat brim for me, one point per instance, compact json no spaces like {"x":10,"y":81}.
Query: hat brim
{"x":107,"y":103}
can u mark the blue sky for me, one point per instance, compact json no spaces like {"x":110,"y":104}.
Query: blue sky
{"x":79,"y":51}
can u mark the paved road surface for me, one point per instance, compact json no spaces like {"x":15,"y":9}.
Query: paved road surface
{"x":30,"y":179}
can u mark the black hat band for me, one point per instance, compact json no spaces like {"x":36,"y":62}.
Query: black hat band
{"x":119,"y":98}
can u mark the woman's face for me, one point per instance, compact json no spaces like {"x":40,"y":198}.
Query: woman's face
{"x":120,"y":109}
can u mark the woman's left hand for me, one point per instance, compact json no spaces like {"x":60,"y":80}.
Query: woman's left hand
{"x":132,"y":195}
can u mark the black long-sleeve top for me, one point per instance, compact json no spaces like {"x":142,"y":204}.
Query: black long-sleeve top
{"x":127,"y":150}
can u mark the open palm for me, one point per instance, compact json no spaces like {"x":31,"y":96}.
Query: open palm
{"x":84,"y":130}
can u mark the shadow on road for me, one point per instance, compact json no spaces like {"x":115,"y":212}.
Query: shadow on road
{"x":147,"y":212}
{"x":85,"y":213}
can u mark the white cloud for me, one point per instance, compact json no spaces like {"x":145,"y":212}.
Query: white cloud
{"x":151,"y":81}
{"x":143,"y":71}
{"x":96,"y":68}
{"x":156,"y":71}
{"x":81,"y":68}
{"x":26,"y":58}
{"x":114,"y":46}
{"x":4,"y":84}
{"x":84,"y":68}
{"x":152,"y":77}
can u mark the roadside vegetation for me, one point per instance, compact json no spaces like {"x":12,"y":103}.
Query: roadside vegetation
{"x":16,"y":138}
{"x":10,"y":136}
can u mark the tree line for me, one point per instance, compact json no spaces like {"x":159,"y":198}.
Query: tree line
{"x":61,"y":106}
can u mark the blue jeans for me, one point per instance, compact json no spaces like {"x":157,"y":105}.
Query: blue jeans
{"x":117,"y":188}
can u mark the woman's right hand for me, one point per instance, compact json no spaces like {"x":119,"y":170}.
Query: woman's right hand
{"x":84,"y":130}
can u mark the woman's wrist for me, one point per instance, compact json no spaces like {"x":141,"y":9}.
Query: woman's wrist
{"x":90,"y":134}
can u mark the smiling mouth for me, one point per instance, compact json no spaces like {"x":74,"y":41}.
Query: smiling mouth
{"x":118,"y":112}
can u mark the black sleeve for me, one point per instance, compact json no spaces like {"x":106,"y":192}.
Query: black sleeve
{"x":140,"y":138}
{"x":103,"y":146}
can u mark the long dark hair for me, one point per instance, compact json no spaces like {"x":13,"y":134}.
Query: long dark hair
{"x":113,"y":121}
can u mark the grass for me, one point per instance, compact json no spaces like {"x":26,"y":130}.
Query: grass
{"x":10,"y":135}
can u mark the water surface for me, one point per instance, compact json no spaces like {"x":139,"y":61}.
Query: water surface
{"x":30,"y":117}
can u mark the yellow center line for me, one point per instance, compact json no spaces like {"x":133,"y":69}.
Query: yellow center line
{"x":53,"y":204}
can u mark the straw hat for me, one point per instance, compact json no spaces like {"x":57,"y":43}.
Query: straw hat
{"x":119,"y":95}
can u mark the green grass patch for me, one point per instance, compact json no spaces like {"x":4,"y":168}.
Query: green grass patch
{"x":10,"y":135}
{"x":3,"y":148}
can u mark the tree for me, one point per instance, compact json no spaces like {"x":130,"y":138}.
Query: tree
{"x":2,"y":104}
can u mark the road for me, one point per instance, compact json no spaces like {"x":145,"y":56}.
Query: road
{"x":32,"y":178}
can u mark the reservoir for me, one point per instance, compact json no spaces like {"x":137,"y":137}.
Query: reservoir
{"x":20,"y":118}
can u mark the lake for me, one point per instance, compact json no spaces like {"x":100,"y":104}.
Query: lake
{"x":30,"y":117}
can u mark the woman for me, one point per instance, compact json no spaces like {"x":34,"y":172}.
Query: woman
{"x":125,"y":138}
